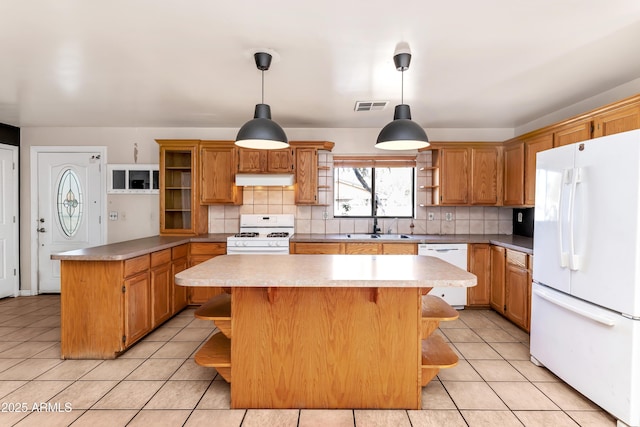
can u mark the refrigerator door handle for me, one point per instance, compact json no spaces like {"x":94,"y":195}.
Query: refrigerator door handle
{"x":564,"y":256}
{"x":574,"y":259}
{"x":605,"y":320}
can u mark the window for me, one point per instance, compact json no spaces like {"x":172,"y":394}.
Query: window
{"x":69,"y":204}
{"x":137,"y":178}
{"x":374,"y":186}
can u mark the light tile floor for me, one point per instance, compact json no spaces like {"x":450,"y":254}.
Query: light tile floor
{"x":156,"y":383}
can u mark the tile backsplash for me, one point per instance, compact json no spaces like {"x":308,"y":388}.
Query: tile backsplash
{"x":319,"y":219}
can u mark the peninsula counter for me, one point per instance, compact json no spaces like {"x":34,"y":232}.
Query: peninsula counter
{"x":326,"y":331}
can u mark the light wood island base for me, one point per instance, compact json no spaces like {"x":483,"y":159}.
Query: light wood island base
{"x":327,"y":347}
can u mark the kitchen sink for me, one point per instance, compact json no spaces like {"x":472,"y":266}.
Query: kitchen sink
{"x":379,"y":236}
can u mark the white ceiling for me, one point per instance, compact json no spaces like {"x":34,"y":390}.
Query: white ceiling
{"x":188,"y":63}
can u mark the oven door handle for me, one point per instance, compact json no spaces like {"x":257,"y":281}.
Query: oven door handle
{"x":238,"y":250}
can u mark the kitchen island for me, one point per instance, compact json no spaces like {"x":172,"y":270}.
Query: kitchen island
{"x":326,"y":331}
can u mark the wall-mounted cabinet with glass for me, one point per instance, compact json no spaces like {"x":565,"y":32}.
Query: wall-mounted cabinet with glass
{"x":133,"y":179}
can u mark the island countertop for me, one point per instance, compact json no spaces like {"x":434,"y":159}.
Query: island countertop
{"x":384,"y":271}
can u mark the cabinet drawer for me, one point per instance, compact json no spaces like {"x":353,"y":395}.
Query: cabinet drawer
{"x":136,"y":265}
{"x":208,"y":248}
{"x":517,"y":258}
{"x":179,"y":251}
{"x":160,"y":257}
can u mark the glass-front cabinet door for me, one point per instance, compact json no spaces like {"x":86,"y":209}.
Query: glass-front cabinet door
{"x":180,"y":211}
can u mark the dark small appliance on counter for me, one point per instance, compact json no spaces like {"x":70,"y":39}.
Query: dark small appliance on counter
{"x":523,"y":222}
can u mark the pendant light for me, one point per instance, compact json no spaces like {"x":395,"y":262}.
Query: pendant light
{"x":402,"y":133}
{"x":262,"y":132}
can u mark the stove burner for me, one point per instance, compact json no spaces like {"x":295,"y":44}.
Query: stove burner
{"x":278,"y":234}
{"x":246,"y":234}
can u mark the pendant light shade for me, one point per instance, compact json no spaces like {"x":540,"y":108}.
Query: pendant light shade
{"x":402,"y":133}
{"x":262,"y":132}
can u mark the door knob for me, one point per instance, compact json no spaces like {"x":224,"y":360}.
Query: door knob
{"x":41,"y":230}
{"x":41,"y":219}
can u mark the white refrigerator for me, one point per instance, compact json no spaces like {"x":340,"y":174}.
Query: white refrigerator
{"x":585,"y":301}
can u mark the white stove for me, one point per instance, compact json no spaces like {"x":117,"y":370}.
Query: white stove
{"x":262,"y":234}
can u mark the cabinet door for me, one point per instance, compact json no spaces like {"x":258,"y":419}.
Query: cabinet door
{"x":318,"y":248}
{"x":280,"y":161}
{"x":251,"y":160}
{"x":573,"y":133}
{"x":137,"y":310}
{"x":179,"y":300}
{"x":532,"y":147}
{"x":399,"y":249}
{"x":514,"y":174}
{"x":161,"y":292}
{"x":454,"y":176}
{"x":498,"y":265}
{"x":218,"y":163}
{"x":479,"y":264}
{"x":180,"y":211}
{"x":306,"y":191}
{"x":517,"y":295}
{"x":362,"y":248}
{"x":616,"y":121}
{"x":485,"y":163}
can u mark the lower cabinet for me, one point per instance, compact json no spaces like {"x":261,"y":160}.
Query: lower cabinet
{"x":137,"y":297}
{"x":179,"y":262}
{"x":511,"y":285}
{"x":316,"y":248}
{"x":201,"y":252}
{"x":479,"y":259}
{"x":161,"y":287}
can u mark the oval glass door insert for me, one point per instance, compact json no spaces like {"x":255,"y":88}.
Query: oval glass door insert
{"x":70,"y":202}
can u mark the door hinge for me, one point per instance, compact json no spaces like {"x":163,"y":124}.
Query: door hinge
{"x":124,"y":339}
{"x":14,"y":219}
{"x":15,"y":272}
{"x":13,"y":165}
{"x":100,"y":219}
{"x":123,"y":289}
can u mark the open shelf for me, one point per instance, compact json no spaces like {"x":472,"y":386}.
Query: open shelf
{"x":218,"y":310}
{"x":216,"y":353}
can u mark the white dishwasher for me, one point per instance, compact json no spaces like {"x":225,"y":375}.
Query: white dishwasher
{"x":456,"y":254}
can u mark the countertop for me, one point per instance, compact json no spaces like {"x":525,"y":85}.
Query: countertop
{"x":380,"y":271}
{"x":518,"y":243}
{"x":133,"y":248}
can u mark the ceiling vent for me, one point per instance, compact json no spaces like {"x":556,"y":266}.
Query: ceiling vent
{"x":370,"y":105}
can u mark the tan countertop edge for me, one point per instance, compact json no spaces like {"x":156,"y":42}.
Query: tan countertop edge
{"x":368,"y":271}
{"x":133,"y":248}
{"x":518,"y":243}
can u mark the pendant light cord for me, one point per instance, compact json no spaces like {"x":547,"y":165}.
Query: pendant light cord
{"x":402,"y":87}
{"x":262,"y":86}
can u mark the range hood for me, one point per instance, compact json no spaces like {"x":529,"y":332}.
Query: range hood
{"x":265,"y":179}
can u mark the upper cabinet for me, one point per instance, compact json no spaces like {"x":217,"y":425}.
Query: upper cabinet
{"x":265,"y":161}
{"x":219,"y":163}
{"x":470,"y":174}
{"x":533,"y":146}
{"x":306,"y":170}
{"x":180,"y":210}
{"x":618,"y":120}
{"x":572,"y":133}
{"x":514,"y":174}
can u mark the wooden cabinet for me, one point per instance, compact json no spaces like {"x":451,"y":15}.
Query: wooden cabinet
{"x":179,"y":262}
{"x":498,"y":265}
{"x":265,"y":161}
{"x":399,"y":249}
{"x":479,"y":262}
{"x":201,"y":252}
{"x":454,"y":176}
{"x":469,"y":175}
{"x":161,"y":287}
{"x":517,"y":289}
{"x":180,"y":210}
{"x":316,"y":248}
{"x":136,"y":299}
{"x":572,"y":133}
{"x":532,"y":147}
{"x":218,"y":165}
{"x":514,"y":174}
{"x":306,"y":188}
{"x":362,"y":248}
{"x":617,"y":120}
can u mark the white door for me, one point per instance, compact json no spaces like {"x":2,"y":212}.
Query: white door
{"x":8,"y":221}
{"x":606,"y":225}
{"x":70,"y":187}
{"x":554,"y":173}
